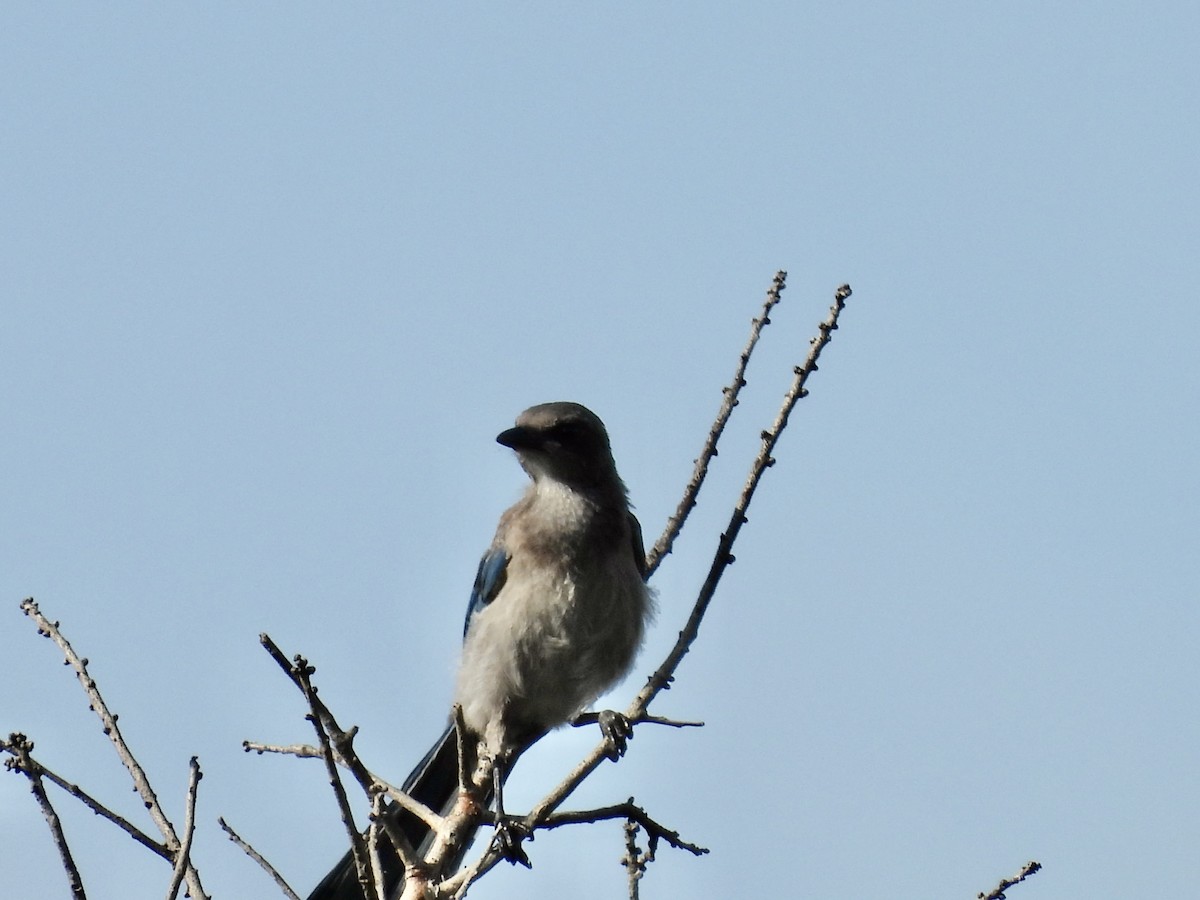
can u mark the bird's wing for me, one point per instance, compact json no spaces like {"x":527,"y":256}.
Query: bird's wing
{"x":490,"y":577}
{"x":639,"y":551}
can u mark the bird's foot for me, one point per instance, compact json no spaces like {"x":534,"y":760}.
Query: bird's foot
{"x":510,"y":835}
{"x":617,"y":730}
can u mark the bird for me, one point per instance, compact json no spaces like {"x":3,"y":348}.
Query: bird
{"x":557,"y":614}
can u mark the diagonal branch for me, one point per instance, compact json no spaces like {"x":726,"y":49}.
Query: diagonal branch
{"x":104,"y":812}
{"x":336,"y":747}
{"x":627,"y":810}
{"x":997,"y":893}
{"x":301,"y":674}
{"x":763,"y":461}
{"x":675,"y":524}
{"x":260,"y":859}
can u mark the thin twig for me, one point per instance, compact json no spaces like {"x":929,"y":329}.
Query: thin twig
{"x":341,"y":739}
{"x":337,"y":744}
{"x":260,"y":859}
{"x":1005,"y":883}
{"x":592,"y":718}
{"x":109,"y":720}
{"x":634,"y":860}
{"x":301,"y":673}
{"x":626,"y":810}
{"x":103,"y":811}
{"x":21,"y":747}
{"x":308,"y":751}
{"x":183,"y":855}
{"x":303,"y":751}
{"x":764,"y":460}
{"x":723,"y":556}
{"x":675,"y":524}
{"x":373,"y":843}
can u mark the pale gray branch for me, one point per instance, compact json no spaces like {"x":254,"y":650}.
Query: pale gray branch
{"x":184,"y":853}
{"x":109,"y":720}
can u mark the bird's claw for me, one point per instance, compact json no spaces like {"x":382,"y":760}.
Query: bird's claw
{"x":617,"y":730}
{"x":510,"y":835}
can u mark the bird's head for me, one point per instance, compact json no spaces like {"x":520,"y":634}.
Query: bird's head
{"x":565,"y":442}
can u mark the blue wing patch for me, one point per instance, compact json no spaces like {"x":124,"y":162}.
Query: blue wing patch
{"x":492,"y":573}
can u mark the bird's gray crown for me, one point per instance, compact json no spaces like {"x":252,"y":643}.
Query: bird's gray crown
{"x":564,"y":440}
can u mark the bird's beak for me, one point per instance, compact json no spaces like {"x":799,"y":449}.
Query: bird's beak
{"x":519,"y":438}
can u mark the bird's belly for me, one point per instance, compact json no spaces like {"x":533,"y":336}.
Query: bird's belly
{"x":545,"y":648}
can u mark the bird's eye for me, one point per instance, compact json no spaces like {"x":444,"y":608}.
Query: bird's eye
{"x":569,"y":434}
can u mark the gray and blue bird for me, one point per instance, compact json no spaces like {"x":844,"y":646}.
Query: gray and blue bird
{"x":556,"y":617}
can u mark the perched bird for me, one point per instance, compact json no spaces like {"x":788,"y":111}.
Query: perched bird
{"x":556,"y":617}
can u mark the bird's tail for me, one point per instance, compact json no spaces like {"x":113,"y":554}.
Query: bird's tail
{"x":433,"y":782}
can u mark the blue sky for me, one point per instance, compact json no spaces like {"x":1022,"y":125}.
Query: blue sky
{"x":276,"y":277}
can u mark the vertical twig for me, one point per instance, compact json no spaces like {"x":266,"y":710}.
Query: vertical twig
{"x":183,"y":854}
{"x":634,"y":861}
{"x":373,"y":842}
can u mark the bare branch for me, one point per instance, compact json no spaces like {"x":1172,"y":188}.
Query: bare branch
{"x":336,"y":748}
{"x":21,"y":747}
{"x":634,"y":860}
{"x":410,"y":804}
{"x":183,"y":855}
{"x":373,"y":843}
{"x":103,"y":811}
{"x":109,"y":720}
{"x":675,"y":524}
{"x":724,"y":556}
{"x":260,"y":859}
{"x":1005,"y":883}
{"x":592,"y":718}
{"x":627,"y":810}
{"x":301,"y":672}
{"x":303,"y":751}
{"x":341,"y":739}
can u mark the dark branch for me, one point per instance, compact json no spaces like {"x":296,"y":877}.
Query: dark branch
{"x":627,"y":810}
{"x":260,"y":859}
{"x":675,"y":524}
{"x":103,"y":811}
{"x":997,"y":893}
{"x":21,"y":761}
